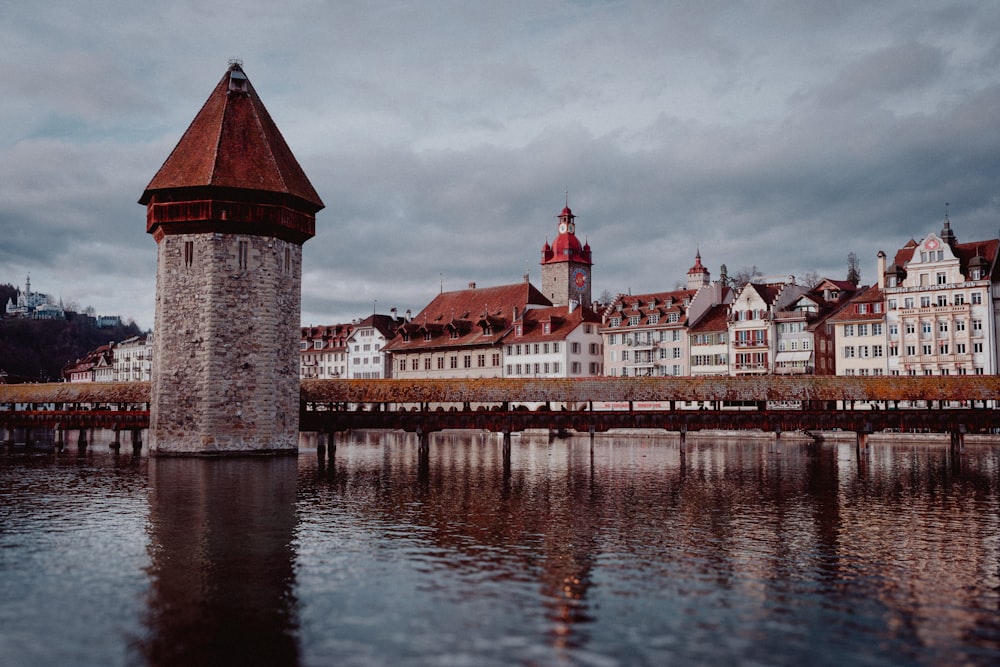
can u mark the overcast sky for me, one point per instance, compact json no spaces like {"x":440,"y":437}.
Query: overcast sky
{"x":443,"y":136}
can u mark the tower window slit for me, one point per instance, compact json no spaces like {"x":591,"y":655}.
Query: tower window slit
{"x":188,"y":254}
{"x":243,"y":253}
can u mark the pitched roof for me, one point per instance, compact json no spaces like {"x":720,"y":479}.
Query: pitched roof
{"x":561,"y":321}
{"x":234,"y":143}
{"x":849,"y":313}
{"x":716,"y":319}
{"x":663,"y":304}
{"x":384,"y":324}
{"x":474,"y":316}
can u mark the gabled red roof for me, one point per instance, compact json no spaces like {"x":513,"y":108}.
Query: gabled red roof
{"x":469,"y":313}
{"x":849,"y":313}
{"x":234,"y":143}
{"x":561,"y":321}
{"x":716,"y":319}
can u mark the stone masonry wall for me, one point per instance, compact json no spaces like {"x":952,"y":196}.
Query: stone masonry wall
{"x":225,"y":364}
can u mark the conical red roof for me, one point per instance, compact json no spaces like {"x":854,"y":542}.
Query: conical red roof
{"x":234,"y":143}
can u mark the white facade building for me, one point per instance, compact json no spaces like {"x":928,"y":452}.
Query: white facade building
{"x":941,"y":302}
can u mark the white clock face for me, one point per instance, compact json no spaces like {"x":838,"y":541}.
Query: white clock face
{"x":562,"y":227}
{"x":572,"y":228}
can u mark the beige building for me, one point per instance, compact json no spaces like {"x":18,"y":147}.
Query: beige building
{"x":860,"y":341}
{"x":941,"y":303}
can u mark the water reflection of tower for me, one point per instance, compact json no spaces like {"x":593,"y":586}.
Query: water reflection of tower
{"x":221,"y":562}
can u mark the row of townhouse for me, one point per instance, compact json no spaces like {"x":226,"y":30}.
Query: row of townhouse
{"x":934,"y":310}
{"x":130,"y":360}
{"x":761,"y":328}
{"x":354,"y":350}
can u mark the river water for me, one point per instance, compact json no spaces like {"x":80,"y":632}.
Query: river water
{"x":624,"y":551}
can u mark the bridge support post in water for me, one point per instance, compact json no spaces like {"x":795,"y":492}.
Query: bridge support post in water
{"x":958,"y":439}
{"x":60,"y":436}
{"x":116,"y":444}
{"x":683,"y":432}
{"x":863,"y":434}
{"x":136,"y":441}
{"x":81,"y":442}
{"x":423,"y":440}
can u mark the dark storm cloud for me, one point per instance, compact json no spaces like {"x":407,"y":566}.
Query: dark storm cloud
{"x":443,"y":136}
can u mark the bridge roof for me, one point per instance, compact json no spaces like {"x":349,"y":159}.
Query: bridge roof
{"x":497,"y":390}
{"x":721,"y":388}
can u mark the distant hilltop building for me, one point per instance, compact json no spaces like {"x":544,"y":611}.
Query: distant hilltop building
{"x":34,"y":305}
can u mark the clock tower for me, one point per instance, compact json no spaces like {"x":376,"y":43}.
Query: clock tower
{"x":566,"y":265}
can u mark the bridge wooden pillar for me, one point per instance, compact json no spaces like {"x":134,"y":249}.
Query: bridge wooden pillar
{"x":116,"y":444}
{"x":81,"y":442}
{"x":136,"y":441}
{"x":862,"y":444}
{"x":958,"y":439}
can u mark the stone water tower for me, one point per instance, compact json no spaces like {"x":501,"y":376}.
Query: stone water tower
{"x":229,"y":209}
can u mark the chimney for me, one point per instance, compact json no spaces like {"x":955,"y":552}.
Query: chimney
{"x":881,"y":269}
{"x":472,"y":285}
{"x":572,"y":305}
{"x":526,"y":277}
{"x":409,"y":315}
{"x":515,"y":313}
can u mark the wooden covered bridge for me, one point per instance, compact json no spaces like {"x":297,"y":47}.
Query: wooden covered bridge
{"x":946,"y":404}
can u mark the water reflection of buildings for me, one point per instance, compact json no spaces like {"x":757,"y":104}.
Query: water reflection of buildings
{"x":220,"y":534}
{"x":777,"y":523}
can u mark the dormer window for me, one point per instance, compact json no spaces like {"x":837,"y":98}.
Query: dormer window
{"x":546,"y":327}
{"x":975,"y":274}
{"x":651,"y":304}
{"x":237,"y":81}
{"x":454,"y":334}
{"x":654,"y":318}
{"x":518,"y":329}
{"x":673,"y":318}
{"x":633,"y":320}
{"x":318,"y":345}
{"x":635,"y":305}
{"x":427,"y":335}
{"x":616,"y":321}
